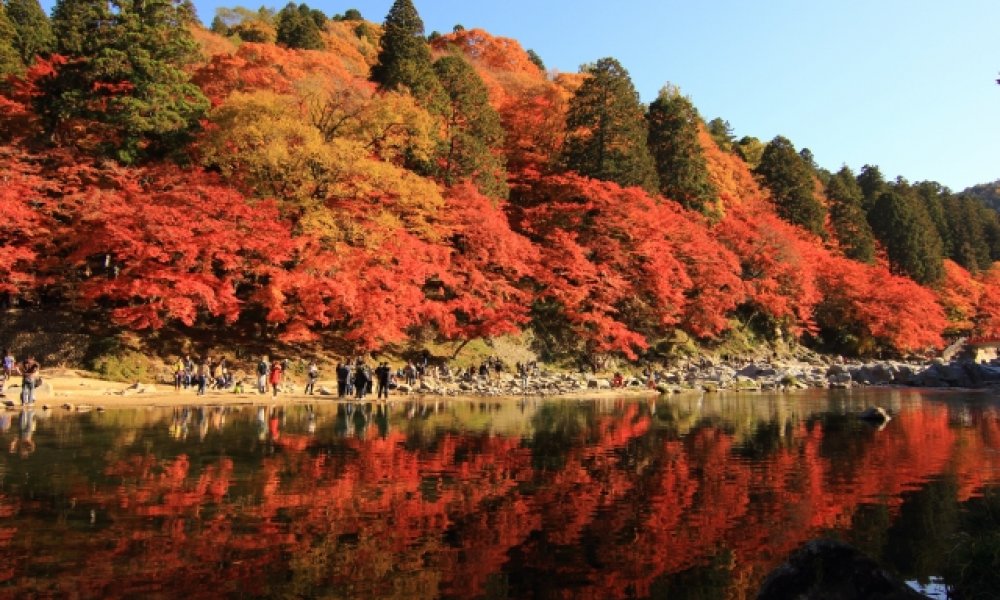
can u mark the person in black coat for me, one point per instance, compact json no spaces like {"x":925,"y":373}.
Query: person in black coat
{"x":382,"y":374}
{"x":343,"y":374}
{"x":362,"y":382}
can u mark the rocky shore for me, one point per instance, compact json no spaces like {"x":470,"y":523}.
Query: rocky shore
{"x":705,"y":375}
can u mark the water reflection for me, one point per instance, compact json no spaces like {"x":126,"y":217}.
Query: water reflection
{"x":415,"y":499}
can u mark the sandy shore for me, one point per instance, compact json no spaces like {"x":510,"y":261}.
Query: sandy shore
{"x":66,"y":387}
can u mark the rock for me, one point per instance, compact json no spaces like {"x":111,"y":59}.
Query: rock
{"x":875,"y":414}
{"x":841,"y":380}
{"x":833,"y":570}
{"x":323,"y":391}
{"x":742,"y":382}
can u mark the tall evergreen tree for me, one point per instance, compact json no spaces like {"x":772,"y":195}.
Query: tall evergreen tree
{"x":34,"y":31}
{"x":536,"y":59}
{"x":932,"y":195}
{"x":10,"y":58}
{"x":131,"y":78}
{"x":908,"y":235}
{"x":969,"y":225}
{"x":606,"y":130}
{"x":872,"y":184}
{"x":680,"y":161}
{"x":791,"y":183}
{"x":848,"y":216}
{"x":299,"y":27}
{"x":79,"y":25}
{"x":474,"y":136}
{"x":404,"y":60}
{"x":722,"y":132}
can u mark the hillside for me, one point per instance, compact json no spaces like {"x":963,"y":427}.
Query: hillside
{"x":340,"y":184}
{"x":988,"y":193}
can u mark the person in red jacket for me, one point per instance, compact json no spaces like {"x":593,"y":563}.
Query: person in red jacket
{"x":275,"y":377}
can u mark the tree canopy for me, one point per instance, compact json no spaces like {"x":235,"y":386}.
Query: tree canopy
{"x":673,"y":142}
{"x":404,"y":59}
{"x":606,"y":130}
{"x":790,"y":180}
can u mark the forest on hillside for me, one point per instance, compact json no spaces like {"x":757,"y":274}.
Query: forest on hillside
{"x":286,"y":175}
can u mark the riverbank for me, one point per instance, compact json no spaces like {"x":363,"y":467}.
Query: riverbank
{"x":78,"y":390}
{"x":74,"y":389}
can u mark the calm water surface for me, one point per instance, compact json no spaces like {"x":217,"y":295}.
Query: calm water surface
{"x":684,"y":497}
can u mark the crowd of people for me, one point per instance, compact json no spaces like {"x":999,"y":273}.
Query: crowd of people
{"x":356,"y":377}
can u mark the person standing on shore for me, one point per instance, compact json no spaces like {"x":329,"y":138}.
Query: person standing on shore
{"x":382,"y":381}
{"x":202,"y":375}
{"x":343,"y":375}
{"x":29,"y":372}
{"x":178,"y":374}
{"x":8,"y":368}
{"x":188,"y":371}
{"x":311,"y":378}
{"x":275,"y":377}
{"x":262,"y":370}
{"x":361,"y":381}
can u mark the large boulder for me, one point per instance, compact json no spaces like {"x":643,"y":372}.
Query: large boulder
{"x":833,"y":570}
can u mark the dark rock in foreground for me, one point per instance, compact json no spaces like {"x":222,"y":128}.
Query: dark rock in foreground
{"x":832,"y":570}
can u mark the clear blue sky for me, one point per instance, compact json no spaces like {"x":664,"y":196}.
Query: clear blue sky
{"x":908,"y":85}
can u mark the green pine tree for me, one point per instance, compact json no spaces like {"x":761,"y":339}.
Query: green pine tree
{"x":906,"y":232}
{"x":79,"y":26}
{"x":933,"y":196}
{"x":34,"y":31}
{"x":536,"y":59}
{"x":133,"y":80}
{"x":848,"y":216}
{"x":474,"y":136}
{"x":969,"y":224}
{"x":722,"y":132}
{"x":10,"y":58}
{"x":790,"y":180}
{"x":606,"y":129}
{"x":680,"y":162}
{"x":404,"y":60}
{"x":872,"y":185}
{"x":300,"y":27}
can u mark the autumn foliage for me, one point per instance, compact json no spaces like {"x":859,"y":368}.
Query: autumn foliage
{"x":306,"y":203}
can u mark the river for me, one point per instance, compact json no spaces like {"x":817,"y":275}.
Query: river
{"x":693,"y":496}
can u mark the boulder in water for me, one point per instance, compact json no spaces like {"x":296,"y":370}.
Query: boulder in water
{"x":833,"y":570}
{"x":875,"y":414}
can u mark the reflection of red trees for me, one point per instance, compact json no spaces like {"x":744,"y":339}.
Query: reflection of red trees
{"x":381,"y":516}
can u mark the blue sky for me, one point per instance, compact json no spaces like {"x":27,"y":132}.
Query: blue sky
{"x":908,"y":85}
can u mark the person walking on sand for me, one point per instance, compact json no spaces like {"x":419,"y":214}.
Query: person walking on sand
{"x":275,"y":378}
{"x":29,"y":372}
